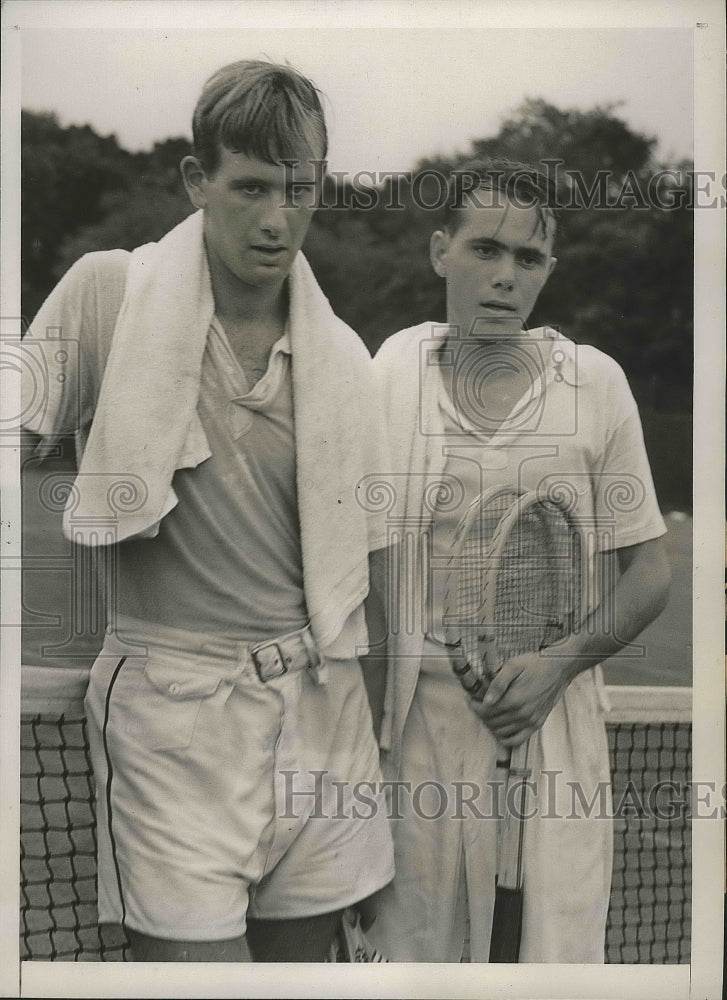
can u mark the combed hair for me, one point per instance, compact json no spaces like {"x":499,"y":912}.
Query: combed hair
{"x":524,"y":184}
{"x":265,"y":110}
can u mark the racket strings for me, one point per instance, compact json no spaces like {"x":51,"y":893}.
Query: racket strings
{"x":515,"y":589}
{"x":527,"y":604}
{"x":566,"y":555}
{"x":466,"y":583}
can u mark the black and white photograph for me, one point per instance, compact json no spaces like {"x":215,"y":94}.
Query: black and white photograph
{"x":362,"y":454}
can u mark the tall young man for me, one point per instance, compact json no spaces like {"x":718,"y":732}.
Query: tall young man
{"x":477,"y":402}
{"x":224,"y":417}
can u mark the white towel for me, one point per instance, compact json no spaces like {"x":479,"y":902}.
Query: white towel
{"x":415,"y":429}
{"x":146,"y":423}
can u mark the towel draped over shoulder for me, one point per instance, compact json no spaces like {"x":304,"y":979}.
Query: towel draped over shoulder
{"x":145,"y":423}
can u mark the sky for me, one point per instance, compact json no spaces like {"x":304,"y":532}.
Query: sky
{"x":402,"y":81}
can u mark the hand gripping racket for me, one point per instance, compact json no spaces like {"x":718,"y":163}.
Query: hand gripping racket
{"x":515,"y":585}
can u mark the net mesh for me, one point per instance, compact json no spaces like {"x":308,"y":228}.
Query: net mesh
{"x":649,"y":915}
{"x":58,"y":916}
{"x":649,"y":918}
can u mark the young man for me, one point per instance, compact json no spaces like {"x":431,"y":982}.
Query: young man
{"x":478,"y":402}
{"x":224,"y":417}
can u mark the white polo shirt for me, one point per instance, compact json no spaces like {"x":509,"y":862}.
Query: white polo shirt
{"x":575,"y":433}
{"x":227,"y":558}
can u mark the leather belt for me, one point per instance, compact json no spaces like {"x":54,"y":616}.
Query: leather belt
{"x":284,"y":655}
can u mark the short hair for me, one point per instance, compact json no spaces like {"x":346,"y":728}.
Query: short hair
{"x":262,"y":109}
{"x":524,"y":184}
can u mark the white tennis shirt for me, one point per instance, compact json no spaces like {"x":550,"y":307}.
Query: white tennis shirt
{"x":227,"y":558}
{"x":589,"y":452}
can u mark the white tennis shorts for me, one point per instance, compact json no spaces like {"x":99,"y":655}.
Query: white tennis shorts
{"x":220,"y":795}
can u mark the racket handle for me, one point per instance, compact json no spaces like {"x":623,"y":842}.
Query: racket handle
{"x":519,"y":759}
{"x":460,"y":666}
{"x":507,"y":922}
{"x":490,"y":655}
{"x":510,"y":859}
{"x":474,"y":686}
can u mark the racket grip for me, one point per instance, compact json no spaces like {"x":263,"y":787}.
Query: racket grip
{"x":460,"y":666}
{"x":474,"y":686}
{"x":507,"y":921}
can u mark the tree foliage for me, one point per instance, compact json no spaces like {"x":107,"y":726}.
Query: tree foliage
{"x":623,"y":281}
{"x":624,"y":276}
{"x":82,"y":191}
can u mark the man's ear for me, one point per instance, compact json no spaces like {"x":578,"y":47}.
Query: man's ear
{"x":194,"y":178}
{"x":438,"y":246}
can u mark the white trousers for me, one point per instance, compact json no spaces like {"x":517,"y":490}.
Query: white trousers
{"x":446,"y":860}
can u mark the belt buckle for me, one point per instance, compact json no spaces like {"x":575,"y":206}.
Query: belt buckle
{"x":260,"y":666}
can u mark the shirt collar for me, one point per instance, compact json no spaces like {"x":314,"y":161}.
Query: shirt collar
{"x":563,"y":363}
{"x":283,"y":345}
{"x":563,"y":358}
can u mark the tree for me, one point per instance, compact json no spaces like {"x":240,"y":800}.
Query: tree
{"x":66,"y":175}
{"x":586,"y":141}
{"x":140,"y":215}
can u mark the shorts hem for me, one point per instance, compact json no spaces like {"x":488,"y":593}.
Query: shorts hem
{"x":169,"y":934}
{"x":328,"y":907}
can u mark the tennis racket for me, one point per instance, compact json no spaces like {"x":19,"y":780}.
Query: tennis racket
{"x":515,"y":585}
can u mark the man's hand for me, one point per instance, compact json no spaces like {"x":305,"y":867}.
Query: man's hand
{"x":522,"y":694}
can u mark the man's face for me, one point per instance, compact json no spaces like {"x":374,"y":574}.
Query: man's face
{"x":254,"y":222}
{"x":495,"y":265}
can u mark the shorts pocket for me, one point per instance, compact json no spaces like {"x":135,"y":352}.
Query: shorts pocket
{"x":171,"y":696}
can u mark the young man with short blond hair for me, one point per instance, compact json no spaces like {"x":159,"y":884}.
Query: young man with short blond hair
{"x":224,"y":417}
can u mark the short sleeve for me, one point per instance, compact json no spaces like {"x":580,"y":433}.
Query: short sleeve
{"x":626,"y":506}
{"x":65,"y":349}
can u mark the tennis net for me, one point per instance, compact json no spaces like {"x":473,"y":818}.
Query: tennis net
{"x":649,"y":732}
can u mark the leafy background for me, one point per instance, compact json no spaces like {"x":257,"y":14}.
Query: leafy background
{"x":623,"y":282}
